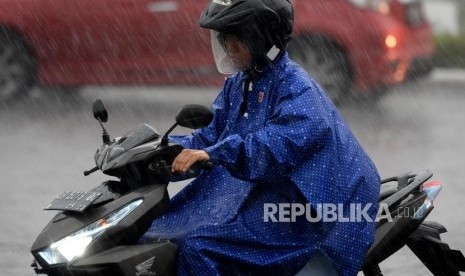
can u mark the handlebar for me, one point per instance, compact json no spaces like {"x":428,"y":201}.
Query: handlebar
{"x":164,"y":170}
{"x":207,"y":165}
{"x":204,"y":165}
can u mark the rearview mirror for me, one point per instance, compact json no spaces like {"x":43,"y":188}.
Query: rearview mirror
{"x":194,"y":116}
{"x":99,"y":110}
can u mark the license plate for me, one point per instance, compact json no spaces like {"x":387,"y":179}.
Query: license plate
{"x":73,"y":201}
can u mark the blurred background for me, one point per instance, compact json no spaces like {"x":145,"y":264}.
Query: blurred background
{"x":394,"y":68}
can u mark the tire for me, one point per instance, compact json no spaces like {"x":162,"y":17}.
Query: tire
{"x":18,"y":68}
{"x":325,"y":63}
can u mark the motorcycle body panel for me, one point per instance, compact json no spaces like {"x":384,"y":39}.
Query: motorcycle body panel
{"x":138,"y":260}
{"x":141,"y":161}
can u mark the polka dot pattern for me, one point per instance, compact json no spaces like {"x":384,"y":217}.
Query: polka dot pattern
{"x":292,"y":147}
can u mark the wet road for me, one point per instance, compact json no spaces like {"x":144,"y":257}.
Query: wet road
{"x":48,"y":141}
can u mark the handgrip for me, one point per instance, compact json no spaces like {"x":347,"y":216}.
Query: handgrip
{"x":207,"y":165}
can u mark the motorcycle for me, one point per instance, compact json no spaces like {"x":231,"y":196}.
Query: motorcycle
{"x":97,"y":232}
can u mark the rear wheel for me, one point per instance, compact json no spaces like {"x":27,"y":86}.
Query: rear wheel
{"x":18,"y":69}
{"x":324,"y":62}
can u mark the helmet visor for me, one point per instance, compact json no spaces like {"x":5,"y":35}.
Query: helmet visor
{"x":230,"y":54}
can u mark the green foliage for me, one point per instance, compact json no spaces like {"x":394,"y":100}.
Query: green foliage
{"x":450,"y":51}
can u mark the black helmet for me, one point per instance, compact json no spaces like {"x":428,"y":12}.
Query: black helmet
{"x":260,"y":24}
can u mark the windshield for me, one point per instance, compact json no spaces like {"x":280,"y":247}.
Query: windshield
{"x":136,"y":137}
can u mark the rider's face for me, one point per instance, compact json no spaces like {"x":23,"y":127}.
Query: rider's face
{"x":237,"y":52}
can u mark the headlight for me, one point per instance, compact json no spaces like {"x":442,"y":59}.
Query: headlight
{"x":75,"y":244}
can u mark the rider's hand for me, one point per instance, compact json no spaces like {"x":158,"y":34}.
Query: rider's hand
{"x":187,"y":158}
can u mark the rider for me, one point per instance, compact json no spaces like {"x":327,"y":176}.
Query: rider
{"x":275,"y":139}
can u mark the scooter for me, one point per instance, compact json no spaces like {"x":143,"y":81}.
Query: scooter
{"x":97,"y":232}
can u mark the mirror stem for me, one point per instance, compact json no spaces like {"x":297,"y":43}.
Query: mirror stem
{"x":105,"y":136}
{"x":164,"y":140}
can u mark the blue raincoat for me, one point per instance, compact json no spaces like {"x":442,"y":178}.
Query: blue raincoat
{"x":291,"y":146}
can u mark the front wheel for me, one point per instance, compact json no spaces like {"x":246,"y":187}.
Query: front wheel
{"x":325,"y":63}
{"x":18,"y":69}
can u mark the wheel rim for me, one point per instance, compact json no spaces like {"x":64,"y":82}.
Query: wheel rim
{"x":325,"y":66}
{"x":13,"y":73}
